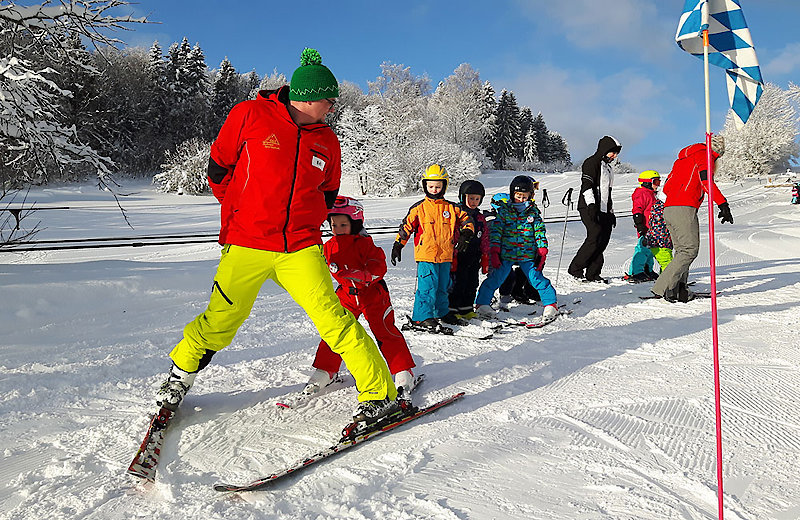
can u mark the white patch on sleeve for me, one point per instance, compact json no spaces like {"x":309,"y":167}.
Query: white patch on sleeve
{"x":317,"y":162}
{"x":588,"y":196}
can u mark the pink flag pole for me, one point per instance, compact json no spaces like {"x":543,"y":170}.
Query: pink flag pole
{"x":713,"y":268}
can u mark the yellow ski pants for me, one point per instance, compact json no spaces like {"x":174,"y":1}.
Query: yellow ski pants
{"x":305,"y":276}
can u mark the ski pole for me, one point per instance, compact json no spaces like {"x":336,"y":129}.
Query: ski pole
{"x":566,"y":201}
{"x":545,"y":202}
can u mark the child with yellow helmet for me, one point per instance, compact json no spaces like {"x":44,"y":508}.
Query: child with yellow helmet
{"x":440,"y":228}
{"x":654,"y":241}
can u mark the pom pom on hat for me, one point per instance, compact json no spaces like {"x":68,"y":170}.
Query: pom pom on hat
{"x":312,"y":80}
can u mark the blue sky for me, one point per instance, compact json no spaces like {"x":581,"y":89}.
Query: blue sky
{"x":591,"y":67}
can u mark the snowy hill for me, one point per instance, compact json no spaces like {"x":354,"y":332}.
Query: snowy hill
{"x":607,"y":413}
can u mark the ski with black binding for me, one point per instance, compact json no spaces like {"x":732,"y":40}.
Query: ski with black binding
{"x":352,"y":435}
{"x":145,"y":462}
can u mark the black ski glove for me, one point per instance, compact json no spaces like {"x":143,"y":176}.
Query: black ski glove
{"x":463,"y":240}
{"x":638,"y":222}
{"x":396,"y":249}
{"x":613,"y":219}
{"x":725,"y":213}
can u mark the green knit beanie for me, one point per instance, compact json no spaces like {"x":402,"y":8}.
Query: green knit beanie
{"x":312,"y":80}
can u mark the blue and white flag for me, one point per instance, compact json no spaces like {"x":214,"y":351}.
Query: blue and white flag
{"x":730,"y":47}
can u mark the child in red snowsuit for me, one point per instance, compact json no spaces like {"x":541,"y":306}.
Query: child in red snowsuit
{"x":359,"y":266}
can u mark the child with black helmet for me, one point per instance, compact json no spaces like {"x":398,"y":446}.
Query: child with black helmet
{"x":518,"y":236}
{"x":440,"y":228}
{"x":468,"y":263}
{"x":359,"y":266}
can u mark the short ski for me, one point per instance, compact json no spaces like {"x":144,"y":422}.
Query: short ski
{"x":146,"y":460}
{"x":348,"y":440}
{"x":464,"y":332}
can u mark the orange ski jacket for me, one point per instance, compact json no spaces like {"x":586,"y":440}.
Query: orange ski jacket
{"x":434,"y":223}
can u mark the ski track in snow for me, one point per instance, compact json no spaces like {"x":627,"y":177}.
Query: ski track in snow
{"x":606,"y":413}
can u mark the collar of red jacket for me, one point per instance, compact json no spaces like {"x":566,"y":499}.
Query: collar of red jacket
{"x":697,"y":148}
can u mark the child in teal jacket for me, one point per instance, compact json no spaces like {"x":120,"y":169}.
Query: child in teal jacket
{"x":517,"y":236}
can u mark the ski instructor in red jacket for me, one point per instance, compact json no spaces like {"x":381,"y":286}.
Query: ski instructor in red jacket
{"x":275,"y":168}
{"x":685,"y":190}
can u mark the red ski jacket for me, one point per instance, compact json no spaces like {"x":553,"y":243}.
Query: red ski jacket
{"x":687,"y":182}
{"x":354,"y":260}
{"x":271,"y":175}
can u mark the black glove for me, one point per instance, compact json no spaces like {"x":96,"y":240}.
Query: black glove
{"x":463,"y":240}
{"x":396,"y":249}
{"x":613,"y":219}
{"x":725,"y":213}
{"x":638,"y":222}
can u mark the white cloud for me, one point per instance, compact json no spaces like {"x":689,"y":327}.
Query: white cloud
{"x":786,"y":62}
{"x":632,"y":26}
{"x":583,"y":108}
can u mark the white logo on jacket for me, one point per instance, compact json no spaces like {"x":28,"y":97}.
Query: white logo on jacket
{"x":317,"y":162}
{"x":446,"y":214}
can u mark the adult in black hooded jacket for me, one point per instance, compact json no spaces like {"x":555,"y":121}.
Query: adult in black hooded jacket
{"x":596,"y":210}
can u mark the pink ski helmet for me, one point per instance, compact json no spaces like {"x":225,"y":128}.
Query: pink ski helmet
{"x":347,"y":206}
{"x":352,"y":208}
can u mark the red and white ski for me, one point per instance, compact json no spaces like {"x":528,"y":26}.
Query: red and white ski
{"x":145,"y":462}
{"x":348,"y":440}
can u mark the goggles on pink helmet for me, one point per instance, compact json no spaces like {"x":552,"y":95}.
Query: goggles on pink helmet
{"x":347,"y":206}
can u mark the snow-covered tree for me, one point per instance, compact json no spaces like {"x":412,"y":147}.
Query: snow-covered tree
{"x":540,"y":133}
{"x":766,"y":143}
{"x":368,"y":160}
{"x":487,"y":112}
{"x":224,"y":93}
{"x":184,"y":171}
{"x":456,"y":106}
{"x":35,"y":141}
{"x":273,"y":81}
{"x":507,"y":137}
{"x":525,"y":122}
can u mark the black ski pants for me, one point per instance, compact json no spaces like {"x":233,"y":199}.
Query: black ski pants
{"x":590,"y":255}
{"x":465,"y":283}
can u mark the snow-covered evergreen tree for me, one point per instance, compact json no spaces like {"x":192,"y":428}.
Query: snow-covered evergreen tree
{"x":540,"y":134}
{"x":273,"y":81}
{"x":225,"y":93}
{"x":530,"y":154}
{"x":507,"y":135}
{"x":766,"y":143}
{"x":525,"y":122}
{"x":487,"y":112}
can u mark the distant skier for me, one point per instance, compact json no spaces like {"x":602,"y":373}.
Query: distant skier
{"x":440,"y":228}
{"x":685,"y":190}
{"x":275,"y":168}
{"x":596,"y":210}
{"x":359,"y":266}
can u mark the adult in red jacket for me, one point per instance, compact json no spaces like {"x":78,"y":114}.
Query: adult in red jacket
{"x":275,"y":168}
{"x":685,"y":190}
